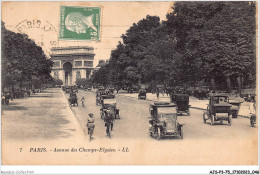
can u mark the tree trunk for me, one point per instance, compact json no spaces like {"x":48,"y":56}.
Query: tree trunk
{"x":213,"y":85}
{"x":239,"y":84}
{"x":228,"y":84}
{"x":242,"y":82}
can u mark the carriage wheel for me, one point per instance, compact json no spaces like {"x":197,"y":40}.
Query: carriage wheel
{"x":158,"y":134}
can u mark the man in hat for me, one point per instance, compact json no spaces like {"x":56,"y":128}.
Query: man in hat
{"x":108,"y":120}
{"x":90,"y":122}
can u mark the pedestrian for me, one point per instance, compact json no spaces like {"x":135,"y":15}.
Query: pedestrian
{"x":3,"y":99}
{"x":167,"y":92}
{"x":82,"y":101}
{"x":90,"y":122}
{"x":108,"y":121}
{"x":157,"y":94}
{"x":7,"y":97}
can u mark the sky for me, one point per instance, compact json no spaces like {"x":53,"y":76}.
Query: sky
{"x":44,"y":19}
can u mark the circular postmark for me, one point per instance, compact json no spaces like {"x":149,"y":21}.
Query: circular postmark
{"x":43,"y":32}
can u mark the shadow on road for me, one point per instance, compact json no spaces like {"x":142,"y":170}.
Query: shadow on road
{"x":39,"y":96}
{"x":13,"y":107}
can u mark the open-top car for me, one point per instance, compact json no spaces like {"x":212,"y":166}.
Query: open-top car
{"x":108,"y":104}
{"x":182,"y":102}
{"x":218,"y":109}
{"x":142,"y":94}
{"x":164,"y":120}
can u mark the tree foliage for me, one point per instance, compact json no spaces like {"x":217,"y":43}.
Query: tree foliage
{"x":198,"y":42}
{"x":23,"y":62}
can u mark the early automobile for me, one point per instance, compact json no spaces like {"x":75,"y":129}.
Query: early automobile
{"x":108,"y":104}
{"x":142,"y":94}
{"x":182,"y":102}
{"x":67,"y":89}
{"x":73,"y":100}
{"x":218,"y":109}
{"x":164,"y":120}
{"x":99,"y":93}
{"x":110,"y":90}
{"x":75,"y":89}
{"x":235,"y":107}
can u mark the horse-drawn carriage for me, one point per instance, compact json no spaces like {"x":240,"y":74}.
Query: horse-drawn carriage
{"x":164,"y":120}
{"x":108,"y":105}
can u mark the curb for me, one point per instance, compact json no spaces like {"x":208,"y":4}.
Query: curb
{"x":73,"y":113}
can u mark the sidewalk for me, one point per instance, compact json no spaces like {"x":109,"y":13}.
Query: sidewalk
{"x":195,"y":103}
{"x":42,"y":116}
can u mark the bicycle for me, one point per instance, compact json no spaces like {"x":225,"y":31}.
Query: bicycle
{"x":90,"y":130}
{"x":108,"y":129}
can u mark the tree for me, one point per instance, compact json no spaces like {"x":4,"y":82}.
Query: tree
{"x":216,"y":39}
{"x":82,"y":82}
{"x":23,"y":62}
{"x":58,"y":82}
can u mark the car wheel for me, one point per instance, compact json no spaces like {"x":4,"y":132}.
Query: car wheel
{"x":252,"y":123}
{"x":159,"y":134}
{"x":212,"y":120}
{"x":181,"y":134}
{"x":204,"y":119}
{"x":229,"y":121}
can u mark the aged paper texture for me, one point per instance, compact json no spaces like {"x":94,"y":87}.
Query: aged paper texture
{"x":44,"y":125}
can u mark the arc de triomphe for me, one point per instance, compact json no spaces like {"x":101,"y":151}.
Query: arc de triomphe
{"x":71,"y":63}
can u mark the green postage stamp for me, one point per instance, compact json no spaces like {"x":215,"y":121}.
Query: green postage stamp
{"x":80,"y":23}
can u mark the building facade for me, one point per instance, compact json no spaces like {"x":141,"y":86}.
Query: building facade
{"x":72,"y":63}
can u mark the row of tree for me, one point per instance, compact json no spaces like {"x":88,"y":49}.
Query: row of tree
{"x":24,"y":64}
{"x":209,"y":42}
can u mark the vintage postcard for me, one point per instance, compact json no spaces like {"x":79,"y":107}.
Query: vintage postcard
{"x":129,"y":83}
